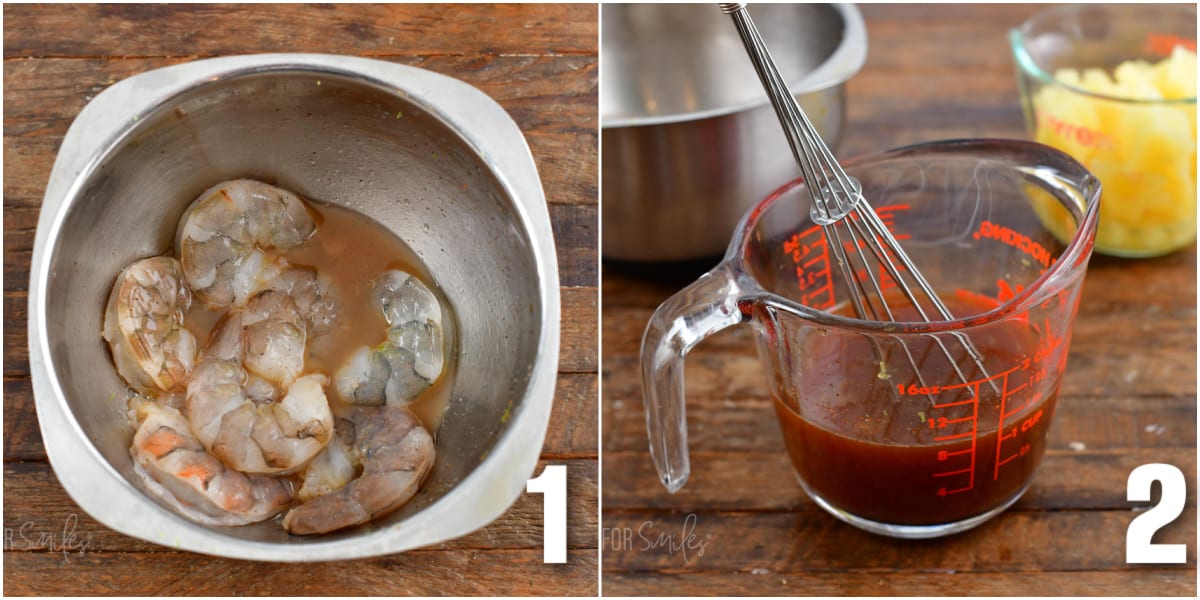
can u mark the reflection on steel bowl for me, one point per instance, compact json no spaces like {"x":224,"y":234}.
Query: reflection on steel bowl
{"x":430,"y":158}
{"x":689,"y":139}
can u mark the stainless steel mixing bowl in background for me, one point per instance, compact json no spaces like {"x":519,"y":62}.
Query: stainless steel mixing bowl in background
{"x":689,"y":141}
{"x":430,"y":157}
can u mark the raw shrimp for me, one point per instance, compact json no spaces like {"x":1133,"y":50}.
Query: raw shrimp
{"x":176,"y":469}
{"x":312,"y":293}
{"x":411,"y":357}
{"x":395,"y":453}
{"x":332,"y":469}
{"x":143,"y":324}
{"x":255,"y":356}
{"x":223,"y":234}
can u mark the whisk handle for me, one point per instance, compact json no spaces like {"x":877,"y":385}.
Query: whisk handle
{"x":730,"y":7}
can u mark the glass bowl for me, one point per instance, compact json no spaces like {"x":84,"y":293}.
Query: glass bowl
{"x":1142,"y":148}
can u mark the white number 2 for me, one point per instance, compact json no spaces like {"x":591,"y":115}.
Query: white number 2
{"x":1138,"y":548}
{"x":552,"y":484}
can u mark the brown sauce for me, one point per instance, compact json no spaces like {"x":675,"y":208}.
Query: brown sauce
{"x":351,"y":251}
{"x":869,"y":440}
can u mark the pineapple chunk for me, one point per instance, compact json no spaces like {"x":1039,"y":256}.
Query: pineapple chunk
{"x":1144,"y":152}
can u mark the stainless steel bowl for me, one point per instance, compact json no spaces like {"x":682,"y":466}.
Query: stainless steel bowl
{"x":689,"y":140}
{"x":430,"y":157}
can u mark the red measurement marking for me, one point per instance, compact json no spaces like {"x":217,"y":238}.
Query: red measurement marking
{"x":809,"y":251}
{"x":957,"y":436}
{"x":953,"y":404}
{"x":1000,"y":438}
{"x":810,"y":299}
{"x":967,"y":488}
{"x":969,"y":453}
{"x":951,"y":473}
{"x":887,"y":214}
{"x":944,"y":455}
{"x":1010,"y":237}
{"x":1163,"y":44}
{"x":1024,"y":405}
{"x":1025,"y":425}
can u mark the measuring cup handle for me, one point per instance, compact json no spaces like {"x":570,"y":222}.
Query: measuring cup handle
{"x":708,"y":305}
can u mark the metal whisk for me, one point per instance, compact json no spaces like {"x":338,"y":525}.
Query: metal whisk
{"x":845,"y":216}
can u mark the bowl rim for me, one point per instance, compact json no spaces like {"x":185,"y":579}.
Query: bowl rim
{"x":482,"y":124}
{"x":1028,"y":65}
{"x":843,"y":63}
{"x":1069,"y":265}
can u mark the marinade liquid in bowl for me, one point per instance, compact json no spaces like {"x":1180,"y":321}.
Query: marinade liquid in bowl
{"x":290,"y":362}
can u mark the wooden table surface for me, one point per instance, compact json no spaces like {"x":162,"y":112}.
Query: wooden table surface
{"x":538,"y":62}
{"x":1128,"y":396}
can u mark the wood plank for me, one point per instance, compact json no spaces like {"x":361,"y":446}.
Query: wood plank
{"x":22,"y":438}
{"x":419,"y":573}
{"x":1145,"y":286}
{"x":765,"y":481}
{"x":575,"y":419}
{"x":578,"y":337}
{"x":40,"y":517}
{"x":572,"y":432}
{"x":16,"y":347}
{"x":748,"y":423}
{"x":1159,"y":363}
{"x":957,"y":107}
{"x":552,"y":99}
{"x":562,"y":87}
{"x":1128,"y":397}
{"x":576,"y":242}
{"x":929,"y":36}
{"x":539,"y":63}
{"x":377,"y":30}
{"x":757,"y":581}
{"x":807,"y":541}
{"x":579,"y":333}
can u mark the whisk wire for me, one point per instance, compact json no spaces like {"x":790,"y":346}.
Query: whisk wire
{"x":838,"y":198}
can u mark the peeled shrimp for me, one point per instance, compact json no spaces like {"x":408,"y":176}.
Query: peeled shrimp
{"x":312,"y":294}
{"x":395,"y":453}
{"x":223,"y":234}
{"x":233,"y":400}
{"x":143,"y":324}
{"x":177,"y":469}
{"x":332,"y":469}
{"x":408,"y":361}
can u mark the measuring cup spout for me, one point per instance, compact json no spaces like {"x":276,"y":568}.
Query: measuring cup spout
{"x":705,"y":307}
{"x":1078,"y":193}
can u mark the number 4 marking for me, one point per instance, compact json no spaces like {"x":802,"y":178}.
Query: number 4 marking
{"x":552,"y":484}
{"x":1138,"y":548}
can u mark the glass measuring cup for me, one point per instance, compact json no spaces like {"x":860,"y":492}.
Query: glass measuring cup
{"x":882,"y":431}
{"x":1138,"y":138}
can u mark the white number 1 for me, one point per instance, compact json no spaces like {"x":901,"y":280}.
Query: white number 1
{"x":552,"y":484}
